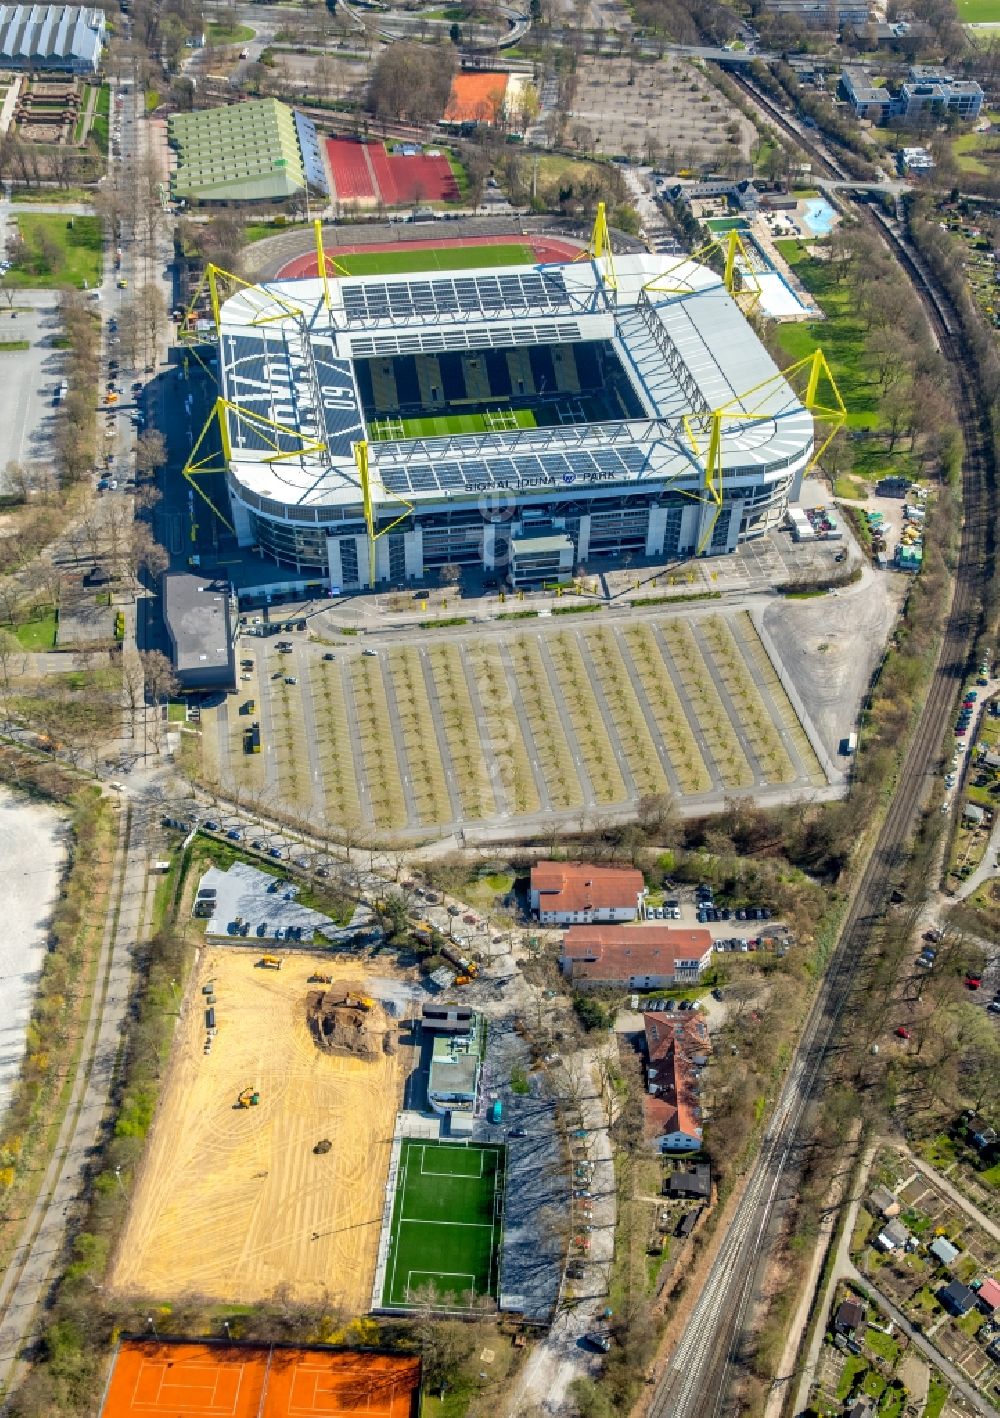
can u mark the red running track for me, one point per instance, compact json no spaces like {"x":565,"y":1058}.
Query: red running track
{"x":546,"y":249}
{"x":350,"y":170}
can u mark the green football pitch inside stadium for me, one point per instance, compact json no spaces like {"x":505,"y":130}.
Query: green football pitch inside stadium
{"x":447,"y":1223}
{"x":499,"y":420}
{"x":437,"y":258}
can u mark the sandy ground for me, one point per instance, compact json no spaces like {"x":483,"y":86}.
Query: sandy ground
{"x":233,"y":1203}
{"x":32,"y":850}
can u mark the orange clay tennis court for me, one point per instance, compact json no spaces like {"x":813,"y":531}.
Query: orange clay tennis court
{"x":476,"y":98}
{"x":157,"y":1380}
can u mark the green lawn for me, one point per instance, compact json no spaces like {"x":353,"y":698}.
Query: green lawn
{"x":434,"y":258}
{"x":230,"y":34}
{"x":443,"y":424}
{"x":852,"y":488}
{"x":940,"y":1152}
{"x":991,"y":1176}
{"x":37,"y":634}
{"x":882,"y":1344}
{"x":979,"y":12}
{"x":937,"y":1395}
{"x":840,"y":336}
{"x":152,"y":100}
{"x":57,"y":253}
{"x":965,"y":147}
{"x":100,"y":127}
{"x":853,"y":1366}
{"x":446,"y":1222}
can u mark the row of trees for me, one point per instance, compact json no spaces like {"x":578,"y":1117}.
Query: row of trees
{"x":75,"y":442}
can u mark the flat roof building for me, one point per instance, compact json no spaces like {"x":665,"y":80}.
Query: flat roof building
{"x":198,"y":620}
{"x":867,"y":100}
{"x":454,"y":1070}
{"x":62,"y":38}
{"x":256,"y":151}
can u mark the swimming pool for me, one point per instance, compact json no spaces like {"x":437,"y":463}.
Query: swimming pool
{"x":818,"y":216}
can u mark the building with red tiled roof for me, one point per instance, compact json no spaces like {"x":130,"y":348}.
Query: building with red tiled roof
{"x":989,"y":1295}
{"x":676,"y":1050}
{"x":634,"y":957}
{"x":566,"y":892}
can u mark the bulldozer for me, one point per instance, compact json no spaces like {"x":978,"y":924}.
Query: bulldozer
{"x":317,"y":979}
{"x":249,"y":1098}
{"x":270,"y":962}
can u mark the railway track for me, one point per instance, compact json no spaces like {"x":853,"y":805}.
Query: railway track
{"x":704,"y":1370}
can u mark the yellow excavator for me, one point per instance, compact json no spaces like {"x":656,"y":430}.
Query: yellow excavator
{"x":249,"y":1098}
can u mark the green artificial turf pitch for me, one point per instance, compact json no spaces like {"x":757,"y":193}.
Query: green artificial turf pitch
{"x":447,"y":1220}
{"x":435,"y":258}
{"x":440,"y":425}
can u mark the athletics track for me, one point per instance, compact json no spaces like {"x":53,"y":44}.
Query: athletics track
{"x":546,"y":248}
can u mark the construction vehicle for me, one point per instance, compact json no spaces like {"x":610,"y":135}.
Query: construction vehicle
{"x":270,"y":962}
{"x":317,"y":979}
{"x":249,"y":1098}
{"x":358,"y":1002}
{"x":251,"y":738}
{"x":467,"y":967}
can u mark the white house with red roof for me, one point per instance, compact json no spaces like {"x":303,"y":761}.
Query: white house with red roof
{"x":634,"y":957}
{"x":676,"y":1051}
{"x":566,"y":893}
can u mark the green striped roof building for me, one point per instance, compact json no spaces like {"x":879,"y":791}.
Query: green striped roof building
{"x":245,"y":152}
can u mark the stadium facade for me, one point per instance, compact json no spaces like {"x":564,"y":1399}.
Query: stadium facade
{"x":616,"y":411}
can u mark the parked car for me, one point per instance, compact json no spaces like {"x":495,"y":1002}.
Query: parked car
{"x":973,"y":982}
{"x":902,"y":1032}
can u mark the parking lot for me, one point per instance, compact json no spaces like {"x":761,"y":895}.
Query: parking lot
{"x":31,"y":378}
{"x":664,"y":112}
{"x":446,"y":731}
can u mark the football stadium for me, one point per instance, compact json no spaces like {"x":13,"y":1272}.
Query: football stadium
{"x":523,"y":420}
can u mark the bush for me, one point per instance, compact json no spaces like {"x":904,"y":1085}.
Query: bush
{"x":591,"y":1013}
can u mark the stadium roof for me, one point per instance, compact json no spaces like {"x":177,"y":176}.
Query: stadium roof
{"x":288,"y":361}
{"x":50,"y":36}
{"x":245,"y":152}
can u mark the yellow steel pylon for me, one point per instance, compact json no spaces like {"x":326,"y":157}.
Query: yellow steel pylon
{"x":264,"y":428}
{"x":365,"y":479}
{"x":325,"y":263}
{"x":705,"y":430}
{"x":748,"y":285}
{"x":599,"y":249}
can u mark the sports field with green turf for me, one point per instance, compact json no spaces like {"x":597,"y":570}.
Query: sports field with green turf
{"x":440,"y":425}
{"x":979,"y":12}
{"x":436,"y":258}
{"x":447,"y":1224}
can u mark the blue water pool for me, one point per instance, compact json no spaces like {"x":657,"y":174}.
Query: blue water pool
{"x":818,"y":215}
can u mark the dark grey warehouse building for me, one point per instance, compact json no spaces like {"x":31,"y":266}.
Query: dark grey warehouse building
{"x":202,"y":634}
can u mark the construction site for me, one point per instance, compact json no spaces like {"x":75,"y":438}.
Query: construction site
{"x":267,"y":1159}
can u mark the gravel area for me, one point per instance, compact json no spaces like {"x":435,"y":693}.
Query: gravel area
{"x":32,"y":848}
